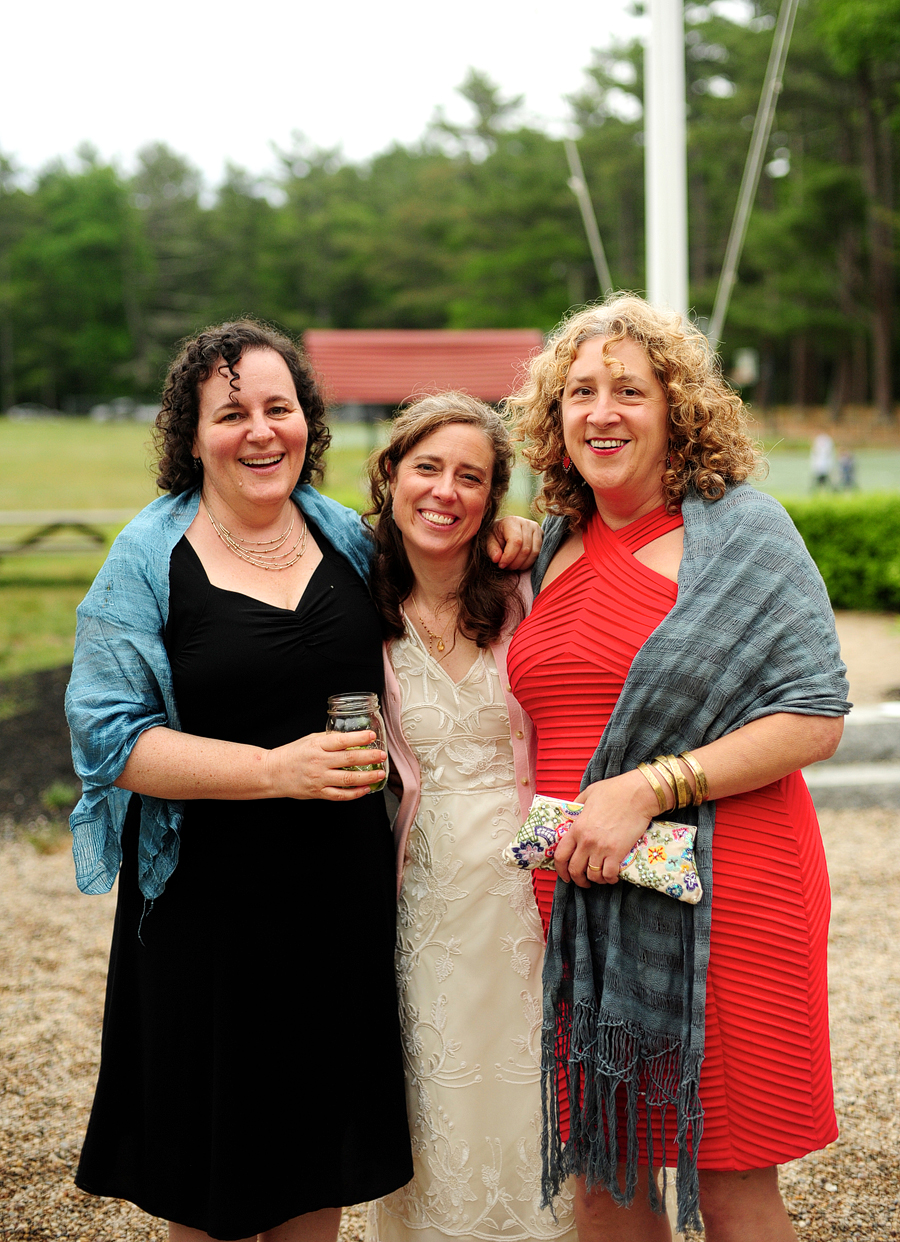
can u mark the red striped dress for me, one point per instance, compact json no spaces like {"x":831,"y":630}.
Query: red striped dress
{"x":766,"y":1083}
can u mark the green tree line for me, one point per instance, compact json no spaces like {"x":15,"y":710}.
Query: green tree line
{"x":475,"y":226}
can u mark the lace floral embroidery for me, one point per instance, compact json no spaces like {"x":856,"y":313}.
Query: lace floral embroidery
{"x":468,"y":970}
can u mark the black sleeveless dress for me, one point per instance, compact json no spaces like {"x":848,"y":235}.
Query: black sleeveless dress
{"x":251,"y":1068}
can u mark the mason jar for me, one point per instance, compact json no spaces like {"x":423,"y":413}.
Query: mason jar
{"x":355,"y":710}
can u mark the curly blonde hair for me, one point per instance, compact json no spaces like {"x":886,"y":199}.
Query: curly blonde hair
{"x":710,"y":444}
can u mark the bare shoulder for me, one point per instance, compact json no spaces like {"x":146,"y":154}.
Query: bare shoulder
{"x":664,"y":554}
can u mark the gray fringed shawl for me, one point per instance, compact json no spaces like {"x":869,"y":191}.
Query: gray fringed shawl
{"x":750,"y":634}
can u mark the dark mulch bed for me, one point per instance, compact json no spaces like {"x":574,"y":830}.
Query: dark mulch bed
{"x":35,"y":754}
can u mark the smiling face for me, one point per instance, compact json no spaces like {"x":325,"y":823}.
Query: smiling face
{"x":615,"y":426}
{"x":440,"y":490}
{"x":252,"y":439}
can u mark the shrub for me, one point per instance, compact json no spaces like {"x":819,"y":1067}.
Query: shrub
{"x":855,"y":541}
{"x":60,"y":796}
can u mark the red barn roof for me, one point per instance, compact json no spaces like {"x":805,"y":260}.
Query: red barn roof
{"x":387,"y":367}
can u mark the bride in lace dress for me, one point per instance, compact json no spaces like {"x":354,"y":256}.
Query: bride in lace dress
{"x":470,"y":946}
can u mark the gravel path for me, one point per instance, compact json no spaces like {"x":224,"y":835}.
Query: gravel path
{"x":53,"y":948}
{"x":870,"y":645}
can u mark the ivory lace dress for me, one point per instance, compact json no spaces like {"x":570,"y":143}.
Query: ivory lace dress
{"x":469,"y":960}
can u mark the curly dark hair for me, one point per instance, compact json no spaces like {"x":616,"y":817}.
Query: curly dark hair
{"x":487,"y":596}
{"x":710,"y":444}
{"x":221,"y":348}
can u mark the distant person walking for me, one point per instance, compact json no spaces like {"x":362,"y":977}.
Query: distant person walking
{"x":821,"y":461}
{"x":847,"y":471}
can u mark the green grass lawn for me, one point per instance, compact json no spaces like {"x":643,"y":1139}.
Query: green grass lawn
{"x":877,"y":470}
{"x":77,"y":464}
{"x":72,"y":463}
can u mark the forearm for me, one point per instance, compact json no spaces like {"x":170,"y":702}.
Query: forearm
{"x":617,"y":810}
{"x":168,"y":764}
{"x":762,"y":752}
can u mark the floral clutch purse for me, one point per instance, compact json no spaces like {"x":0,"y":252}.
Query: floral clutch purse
{"x":663,"y":858}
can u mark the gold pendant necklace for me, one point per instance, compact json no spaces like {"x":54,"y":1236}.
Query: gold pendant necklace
{"x":438,"y":638}
{"x":266,"y":547}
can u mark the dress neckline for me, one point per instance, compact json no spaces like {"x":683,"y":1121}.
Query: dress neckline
{"x":640,"y":530}
{"x":598,"y":540}
{"x":243,"y":594}
{"x":413,"y":634}
{"x":602,"y":543}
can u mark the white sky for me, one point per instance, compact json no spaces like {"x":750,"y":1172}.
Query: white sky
{"x":215,"y":84}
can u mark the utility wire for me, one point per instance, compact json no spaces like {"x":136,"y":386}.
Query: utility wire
{"x":762,"y":127}
{"x":578,"y":186}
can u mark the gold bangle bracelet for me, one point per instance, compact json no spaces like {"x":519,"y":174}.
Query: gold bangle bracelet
{"x":668,"y":782}
{"x":699,"y":776}
{"x":653,"y":780}
{"x":683,"y":793}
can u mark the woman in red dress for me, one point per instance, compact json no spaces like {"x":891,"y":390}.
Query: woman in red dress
{"x":679,"y":615}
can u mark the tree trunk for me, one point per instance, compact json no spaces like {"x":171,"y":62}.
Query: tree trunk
{"x":699,"y":233}
{"x":762,"y":394}
{"x":841,"y":379}
{"x":859,"y":386}
{"x":846,"y":380}
{"x":7,"y":360}
{"x":877,"y":181}
{"x":800,"y":371}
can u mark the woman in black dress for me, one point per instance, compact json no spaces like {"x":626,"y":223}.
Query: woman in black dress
{"x":251,"y":1077}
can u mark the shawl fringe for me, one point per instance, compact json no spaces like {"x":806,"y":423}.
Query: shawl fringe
{"x":604,"y":1064}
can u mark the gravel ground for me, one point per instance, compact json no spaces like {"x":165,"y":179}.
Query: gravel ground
{"x":870,"y":645}
{"x":53,"y":948}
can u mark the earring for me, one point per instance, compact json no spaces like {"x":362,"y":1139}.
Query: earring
{"x":567,"y":463}
{"x":196,"y":461}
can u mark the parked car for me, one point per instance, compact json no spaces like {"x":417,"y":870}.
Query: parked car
{"x":32,"y":409}
{"x":124,"y":409}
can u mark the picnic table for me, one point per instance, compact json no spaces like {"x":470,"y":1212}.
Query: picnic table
{"x":37,"y":528}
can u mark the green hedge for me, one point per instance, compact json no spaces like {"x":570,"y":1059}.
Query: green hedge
{"x":855,"y":541}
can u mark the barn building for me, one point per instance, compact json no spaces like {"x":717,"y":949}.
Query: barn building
{"x":367,"y":373}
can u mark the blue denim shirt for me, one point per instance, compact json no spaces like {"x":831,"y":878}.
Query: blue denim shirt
{"x":122,"y":683}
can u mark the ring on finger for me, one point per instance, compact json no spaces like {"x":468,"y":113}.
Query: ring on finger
{"x":591,"y":867}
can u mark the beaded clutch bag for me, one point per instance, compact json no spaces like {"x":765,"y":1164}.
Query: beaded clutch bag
{"x":663,"y":858}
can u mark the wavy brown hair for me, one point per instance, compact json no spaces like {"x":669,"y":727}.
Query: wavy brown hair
{"x":487,"y":596}
{"x":710,"y":444}
{"x":221,"y":348}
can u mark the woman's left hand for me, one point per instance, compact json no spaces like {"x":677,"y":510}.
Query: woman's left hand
{"x":616,"y":813}
{"x":514,"y":542}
